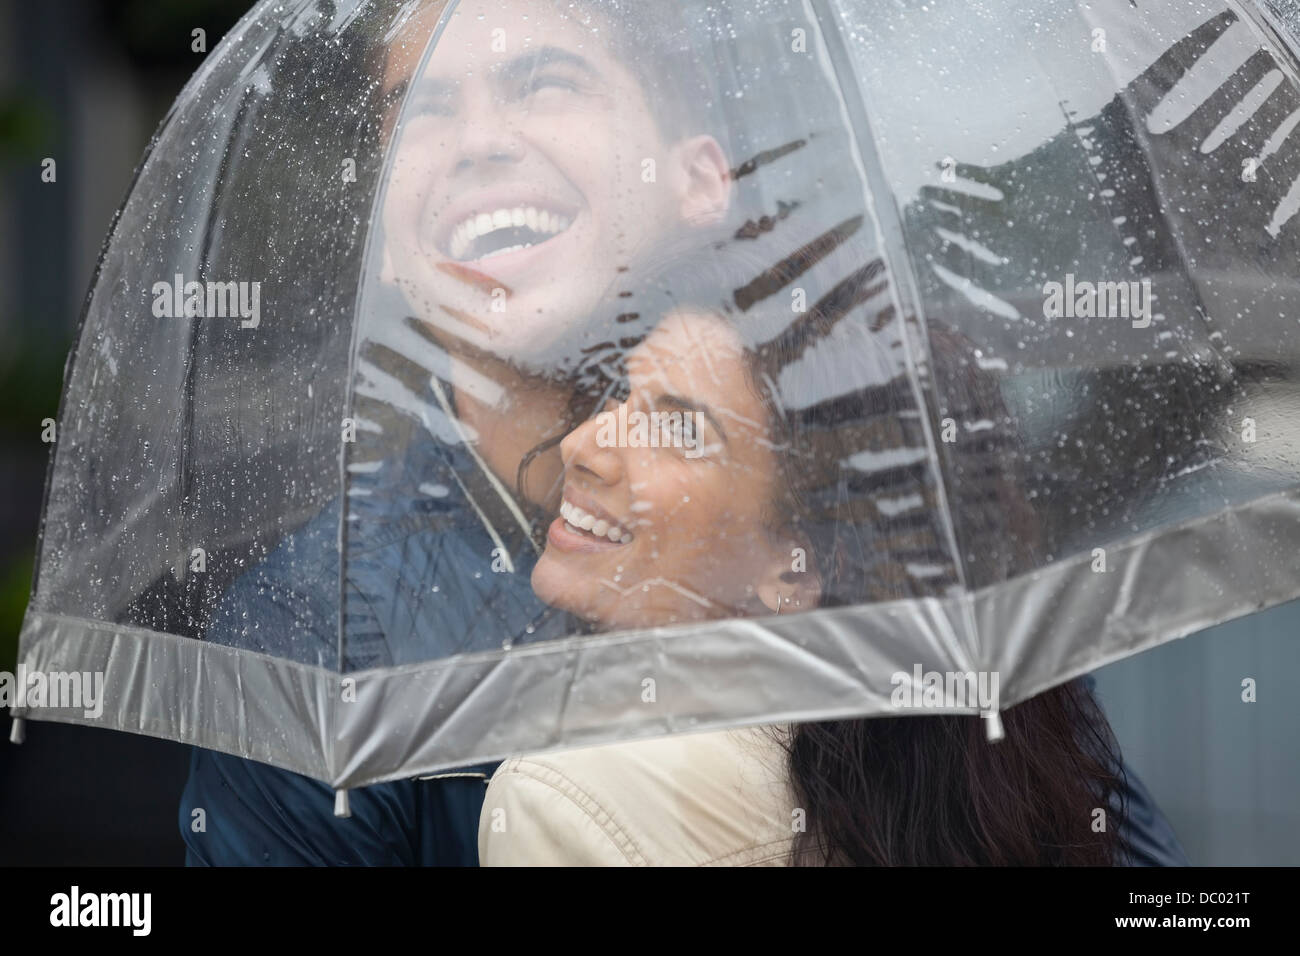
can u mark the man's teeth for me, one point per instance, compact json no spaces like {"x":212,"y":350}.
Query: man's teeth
{"x":541,"y":221}
{"x":579,"y":520}
{"x":498,"y":252}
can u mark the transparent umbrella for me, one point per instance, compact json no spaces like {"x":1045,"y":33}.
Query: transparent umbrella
{"x":462,"y":379}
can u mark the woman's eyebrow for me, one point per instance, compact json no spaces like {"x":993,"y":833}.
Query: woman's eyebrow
{"x":686,"y":405}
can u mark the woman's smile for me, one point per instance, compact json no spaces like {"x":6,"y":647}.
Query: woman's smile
{"x":580,"y":530}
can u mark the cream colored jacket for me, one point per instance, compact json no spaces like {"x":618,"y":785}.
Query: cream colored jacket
{"x":711,"y":799}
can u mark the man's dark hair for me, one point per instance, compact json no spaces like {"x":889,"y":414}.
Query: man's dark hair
{"x":662,"y":45}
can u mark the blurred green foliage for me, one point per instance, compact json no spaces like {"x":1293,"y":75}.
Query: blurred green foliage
{"x":31,"y":381}
{"x":15,"y":589}
{"x":26,"y":128}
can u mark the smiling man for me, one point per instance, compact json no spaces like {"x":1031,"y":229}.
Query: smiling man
{"x":540,"y":148}
{"x":543,"y":148}
{"x":536,"y":159}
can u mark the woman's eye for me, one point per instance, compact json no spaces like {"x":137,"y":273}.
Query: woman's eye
{"x":684,"y":433}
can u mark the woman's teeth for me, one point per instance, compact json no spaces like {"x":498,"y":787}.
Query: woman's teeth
{"x":528,"y":223}
{"x":578,"y":521}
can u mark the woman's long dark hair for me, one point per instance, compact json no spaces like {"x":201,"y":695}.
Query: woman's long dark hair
{"x":907,"y":790}
{"x":929,"y":789}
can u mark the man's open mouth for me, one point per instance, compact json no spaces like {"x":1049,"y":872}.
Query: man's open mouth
{"x":487,"y":234}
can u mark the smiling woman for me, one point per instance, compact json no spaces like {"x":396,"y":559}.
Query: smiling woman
{"x":767,"y":519}
{"x":697,"y":546}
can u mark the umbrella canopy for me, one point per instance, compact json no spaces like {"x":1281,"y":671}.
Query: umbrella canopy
{"x":462,"y":379}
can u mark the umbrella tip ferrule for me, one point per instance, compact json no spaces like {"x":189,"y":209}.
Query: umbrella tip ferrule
{"x":993,"y":726}
{"x":342,"y":808}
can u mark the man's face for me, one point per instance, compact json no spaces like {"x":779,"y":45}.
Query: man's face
{"x":517,"y":190}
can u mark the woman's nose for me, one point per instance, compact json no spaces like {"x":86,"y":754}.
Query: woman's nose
{"x":584,"y":452}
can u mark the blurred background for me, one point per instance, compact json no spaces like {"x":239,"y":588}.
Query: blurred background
{"x":85,"y":83}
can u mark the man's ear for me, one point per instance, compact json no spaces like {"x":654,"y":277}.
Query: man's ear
{"x":704,"y":180}
{"x":790,"y":584}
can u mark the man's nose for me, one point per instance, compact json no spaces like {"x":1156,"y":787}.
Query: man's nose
{"x":488,"y":136}
{"x":585,"y":454}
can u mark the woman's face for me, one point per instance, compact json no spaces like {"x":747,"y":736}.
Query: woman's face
{"x":658,"y":535}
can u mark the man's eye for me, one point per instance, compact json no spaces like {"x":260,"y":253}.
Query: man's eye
{"x":536,"y":84}
{"x":429,"y":106}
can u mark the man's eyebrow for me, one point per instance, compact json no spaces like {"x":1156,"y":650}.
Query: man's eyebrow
{"x":686,"y":405}
{"x":521,"y":66}
{"x":529,"y":63}
{"x":434,"y":86}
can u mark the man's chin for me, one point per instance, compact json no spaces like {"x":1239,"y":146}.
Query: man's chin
{"x":471,"y":332}
{"x":555,"y":345}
